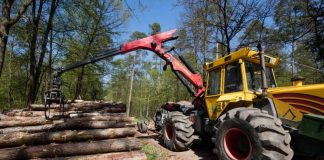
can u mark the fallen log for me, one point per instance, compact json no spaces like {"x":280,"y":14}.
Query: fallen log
{"x":98,"y":105}
{"x":3,"y":116}
{"x":112,"y":107}
{"x":29,"y":129}
{"x":72,"y":124}
{"x":70,"y":149}
{"x":105,"y":118}
{"x":23,"y":113}
{"x":87,"y":109}
{"x":21,"y":118}
{"x":21,"y":138}
{"x":111,"y":110}
{"x":78,"y":114}
{"x":41,"y":106}
{"x":75,"y":124}
{"x":133,"y":155}
{"x":4,"y":124}
{"x":54,"y":107}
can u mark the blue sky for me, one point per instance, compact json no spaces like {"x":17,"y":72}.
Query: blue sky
{"x":146,"y":12}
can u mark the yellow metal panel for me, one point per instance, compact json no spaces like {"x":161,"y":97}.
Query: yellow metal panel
{"x":291,"y":102}
{"x":294,"y":101}
{"x":213,"y":107}
{"x":244,"y":53}
{"x":245,"y":86}
{"x":222,"y":80}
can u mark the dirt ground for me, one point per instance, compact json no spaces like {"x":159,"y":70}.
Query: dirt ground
{"x":198,"y":150}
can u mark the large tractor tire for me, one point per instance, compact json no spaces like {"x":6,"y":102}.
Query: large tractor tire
{"x":177,"y":131}
{"x":248,"y":133}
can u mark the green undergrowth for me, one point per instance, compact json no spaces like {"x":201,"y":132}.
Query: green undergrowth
{"x":139,"y":119}
{"x":153,"y":153}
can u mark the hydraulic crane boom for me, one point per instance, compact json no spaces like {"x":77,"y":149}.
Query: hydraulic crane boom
{"x":193,"y":81}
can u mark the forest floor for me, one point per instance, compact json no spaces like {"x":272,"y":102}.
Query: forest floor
{"x":155,"y":150}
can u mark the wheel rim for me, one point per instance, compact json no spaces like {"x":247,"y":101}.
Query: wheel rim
{"x":237,"y":144}
{"x":169,"y":131}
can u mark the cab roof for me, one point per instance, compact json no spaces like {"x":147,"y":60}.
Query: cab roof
{"x":245,"y":54}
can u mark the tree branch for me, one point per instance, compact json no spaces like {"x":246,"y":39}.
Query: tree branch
{"x":21,"y":11}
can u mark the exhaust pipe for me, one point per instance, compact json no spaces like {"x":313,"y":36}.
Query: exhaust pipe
{"x":297,"y":81}
{"x":264,"y":85}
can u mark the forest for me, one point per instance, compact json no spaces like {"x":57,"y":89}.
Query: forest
{"x":37,"y":36}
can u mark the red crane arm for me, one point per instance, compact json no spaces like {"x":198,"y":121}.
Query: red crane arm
{"x":193,"y":81}
{"x":154,"y":43}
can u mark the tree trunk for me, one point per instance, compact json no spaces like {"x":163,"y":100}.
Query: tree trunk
{"x":130,"y":89}
{"x":293,"y":70}
{"x":133,"y":155}
{"x":78,"y":88}
{"x":32,"y":51}
{"x":10,"y":96}
{"x":48,"y":80}
{"x":70,"y":149}
{"x":49,"y":27}
{"x":205,"y":39}
{"x":36,"y":66}
{"x":4,"y":31}
{"x":147,"y":107}
{"x":6,"y":22}
{"x":21,"y":138}
{"x":4,"y":124}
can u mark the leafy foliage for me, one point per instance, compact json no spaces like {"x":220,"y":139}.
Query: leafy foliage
{"x":291,"y":30}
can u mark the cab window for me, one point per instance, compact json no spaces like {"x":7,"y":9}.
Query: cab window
{"x":253,"y":76}
{"x":233,"y":78}
{"x":214,"y":82}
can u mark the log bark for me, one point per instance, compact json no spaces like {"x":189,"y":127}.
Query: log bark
{"x":29,"y":129}
{"x":72,"y":124}
{"x":70,"y":149}
{"x":3,"y":116}
{"x":77,"y":125}
{"x":105,"y":118}
{"x":41,"y":107}
{"x":111,"y":110}
{"x":108,"y":107}
{"x":86,"y":109}
{"x":21,"y":138}
{"x":24,"y":113}
{"x":4,"y":124}
{"x":76,"y":114}
{"x":133,"y":155}
{"x":21,"y":118}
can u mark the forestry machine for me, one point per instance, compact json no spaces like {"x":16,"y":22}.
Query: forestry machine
{"x":240,"y":110}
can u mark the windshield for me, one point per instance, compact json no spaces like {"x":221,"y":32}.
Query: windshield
{"x":253,"y":76}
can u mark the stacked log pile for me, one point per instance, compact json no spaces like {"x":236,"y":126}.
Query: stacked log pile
{"x":91,"y":130}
